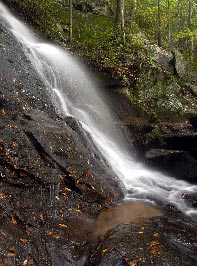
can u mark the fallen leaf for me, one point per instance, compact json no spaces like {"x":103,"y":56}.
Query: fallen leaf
{"x":77,"y":210}
{"x":133,"y":263}
{"x":13,"y":220}
{"x":63,"y":225}
{"x":24,"y":240}
{"x":104,"y":251}
{"x":57,"y":236}
{"x":14,"y":144}
{"x":11,"y":254}
{"x":2,"y":111}
{"x":41,"y":217}
{"x":25,"y":262}
{"x":156,"y":234}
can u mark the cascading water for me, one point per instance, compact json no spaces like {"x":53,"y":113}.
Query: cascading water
{"x":73,"y":93}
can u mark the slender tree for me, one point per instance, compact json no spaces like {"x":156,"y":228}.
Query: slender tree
{"x":159,"y":23}
{"x":190,"y":26}
{"x":70,"y":20}
{"x":119,"y":19}
{"x":168,"y":19}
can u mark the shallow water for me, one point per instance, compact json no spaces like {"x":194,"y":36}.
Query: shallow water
{"x":131,"y":212}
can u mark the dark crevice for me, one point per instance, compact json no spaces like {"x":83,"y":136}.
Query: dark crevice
{"x":18,"y":171}
{"x":69,"y":180}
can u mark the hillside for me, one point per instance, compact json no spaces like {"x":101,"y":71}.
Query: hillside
{"x":160,"y":82}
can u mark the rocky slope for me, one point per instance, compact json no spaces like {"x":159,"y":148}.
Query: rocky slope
{"x":54,"y":185}
{"x":52,"y":180}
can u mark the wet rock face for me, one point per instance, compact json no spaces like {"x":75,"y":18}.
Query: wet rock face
{"x":178,"y":163}
{"x":53,"y":181}
{"x":171,"y":147}
{"x":159,"y":241}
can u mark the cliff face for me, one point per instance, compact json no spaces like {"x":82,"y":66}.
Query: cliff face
{"x":53,"y":183}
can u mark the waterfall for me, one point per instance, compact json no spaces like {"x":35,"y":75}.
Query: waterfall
{"x":74,"y":93}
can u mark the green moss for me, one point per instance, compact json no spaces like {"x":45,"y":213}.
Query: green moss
{"x":155,"y":136}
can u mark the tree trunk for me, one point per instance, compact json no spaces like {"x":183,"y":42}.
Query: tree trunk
{"x":159,"y":23}
{"x":190,"y":26}
{"x":168,"y":15}
{"x":119,"y":19}
{"x":70,"y":20}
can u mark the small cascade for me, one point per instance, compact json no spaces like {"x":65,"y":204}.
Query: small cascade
{"x":74,"y":93}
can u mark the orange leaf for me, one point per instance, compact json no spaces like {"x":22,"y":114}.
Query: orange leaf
{"x":57,"y":236}
{"x":63,"y":225}
{"x":11,"y":254}
{"x":49,"y":233}
{"x":133,"y":263}
{"x":14,"y":144}
{"x":24,"y":240}
{"x":41,"y":217}
{"x":13,"y":220}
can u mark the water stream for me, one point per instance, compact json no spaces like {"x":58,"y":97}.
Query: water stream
{"x":74,"y":93}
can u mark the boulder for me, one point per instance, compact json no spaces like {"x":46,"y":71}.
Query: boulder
{"x":96,"y":7}
{"x":174,"y":162}
{"x":162,"y":57}
{"x":159,"y":241}
{"x":173,"y":136}
{"x":172,"y":62}
{"x":179,"y":64}
{"x":82,"y":6}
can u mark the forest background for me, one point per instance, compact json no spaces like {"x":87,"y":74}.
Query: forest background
{"x":132,"y":41}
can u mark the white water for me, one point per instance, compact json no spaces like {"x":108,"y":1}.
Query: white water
{"x":74,"y":94}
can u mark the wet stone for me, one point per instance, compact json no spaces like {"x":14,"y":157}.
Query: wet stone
{"x":52,"y":187}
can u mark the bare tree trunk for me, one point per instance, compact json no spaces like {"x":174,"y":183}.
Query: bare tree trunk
{"x":190,"y":25}
{"x":70,"y":20}
{"x":119,"y":19}
{"x":132,"y":12}
{"x":168,"y":15}
{"x":159,"y":23}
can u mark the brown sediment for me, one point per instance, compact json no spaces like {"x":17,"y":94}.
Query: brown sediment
{"x":122,"y":214}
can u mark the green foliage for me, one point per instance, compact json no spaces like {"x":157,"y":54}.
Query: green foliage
{"x":163,"y":99}
{"x":96,"y":39}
